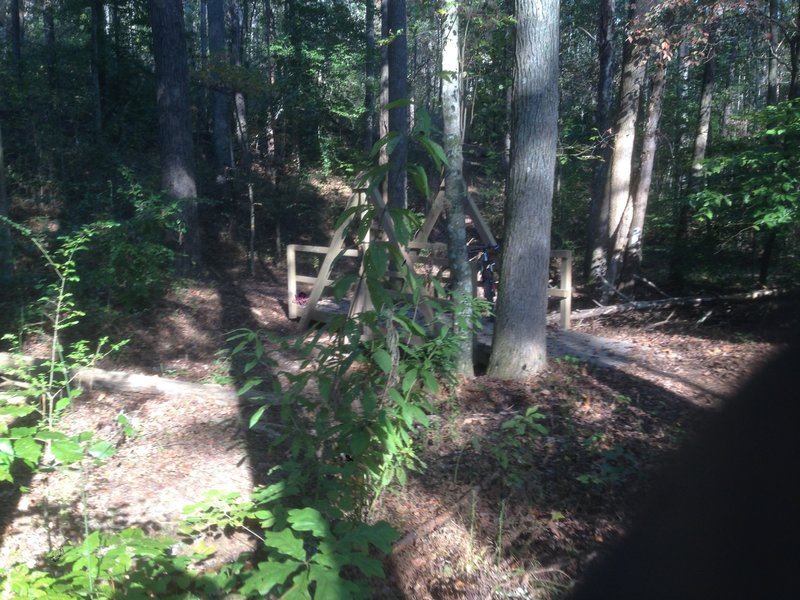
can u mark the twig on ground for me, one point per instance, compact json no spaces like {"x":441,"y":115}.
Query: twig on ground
{"x":433,"y":524}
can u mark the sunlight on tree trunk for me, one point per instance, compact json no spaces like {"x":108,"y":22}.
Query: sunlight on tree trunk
{"x":620,"y":175}
{"x":455,"y":193}
{"x":641,"y":194}
{"x":596,"y":259}
{"x":174,"y":122}
{"x":519,"y":346}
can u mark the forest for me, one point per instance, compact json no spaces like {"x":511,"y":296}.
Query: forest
{"x":375,"y":299}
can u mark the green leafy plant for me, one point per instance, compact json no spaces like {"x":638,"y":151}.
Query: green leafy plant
{"x":612,"y":464}
{"x":32,"y":408}
{"x":512,"y":446}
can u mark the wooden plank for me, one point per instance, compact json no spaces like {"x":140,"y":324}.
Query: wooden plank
{"x":433,"y":215}
{"x":479,"y":222}
{"x":336,"y":246}
{"x":388,"y":228}
{"x":291,"y":288}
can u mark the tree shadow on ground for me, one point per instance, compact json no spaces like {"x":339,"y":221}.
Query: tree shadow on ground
{"x":563,"y":492}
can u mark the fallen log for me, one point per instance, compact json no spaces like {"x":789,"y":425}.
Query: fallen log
{"x":92,"y":378}
{"x":604,"y":311}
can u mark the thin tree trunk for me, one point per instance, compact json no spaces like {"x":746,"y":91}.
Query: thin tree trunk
{"x":794,"y":56}
{"x":596,"y":259}
{"x":679,"y":257}
{"x":174,"y":122}
{"x":397,"y":58}
{"x":518,"y":347}
{"x":237,"y":12}
{"x":641,"y":194}
{"x":203,"y":32}
{"x":6,"y":262}
{"x":455,"y":192}
{"x":772,"y":60}
{"x":369,"y":76}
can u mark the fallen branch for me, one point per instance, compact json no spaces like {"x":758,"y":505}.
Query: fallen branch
{"x":604,"y":311}
{"x":434,"y":523}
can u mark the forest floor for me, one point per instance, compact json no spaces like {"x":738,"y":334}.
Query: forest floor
{"x":498,"y":513}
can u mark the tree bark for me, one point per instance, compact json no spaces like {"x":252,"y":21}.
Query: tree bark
{"x":519,"y":349}
{"x":49,"y":25}
{"x":220,"y":98}
{"x":772,"y":60}
{"x":369,"y":76}
{"x":455,"y":192}
{"x":16,"y":36}
{"x":641,"y":194}
{"x":6,"y":263}
{"x":397,"y":58}
{"x":596,"y":259}
{"x":794,"y":56}
{"x":97,"y":63}
{"x":620,"y":175}
{"x":239,"y":101}
{"x":679,"y":253}
{"x":174,"y":122}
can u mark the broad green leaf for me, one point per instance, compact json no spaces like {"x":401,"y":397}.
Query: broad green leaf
{"x":286,"y":543}
{"x":102,"y":450}
{"x":66,"y":451}
{"x":309,"y":519}
{"x":409,"y":380}
{"x":329,"y":584}
{"x":383,"y":359}
{"x":370,"y":567}
{"x":420,"y":179}
{"x":49,"y":434}
{"x":6,"y":447}
{"x":28,"y":450}
{"x":17,"y":410}
{"x":268,"y":575}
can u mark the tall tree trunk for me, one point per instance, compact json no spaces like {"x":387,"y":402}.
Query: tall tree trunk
{"x":49,"y":25}
{"x":220,"y":98}
{"x":641,"y":194}
{"x":397,"y":58}
{"x":96,"y":49}
{"x":519,"y":345}
{"x":765,"y":258}
{"x":203,"y":32}
{"x":16,"y":36}
{"x":596,"y":259}
{"x":455,"y":192}
{"x":679,"y":254}
{"x":174,"y":122}
{"x":620,"y":175}
{"x":6,"y":264}
{"x":773,"y":49}
{"x":237,"y":13}
{"x":369,"y":76}
{"x":794,"y":56}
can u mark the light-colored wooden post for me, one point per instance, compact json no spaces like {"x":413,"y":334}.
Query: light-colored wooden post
{"x":291,"y":270}
{"x":566,"y":285}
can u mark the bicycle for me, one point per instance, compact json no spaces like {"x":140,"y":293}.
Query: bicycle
{"x":487,"y":269}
